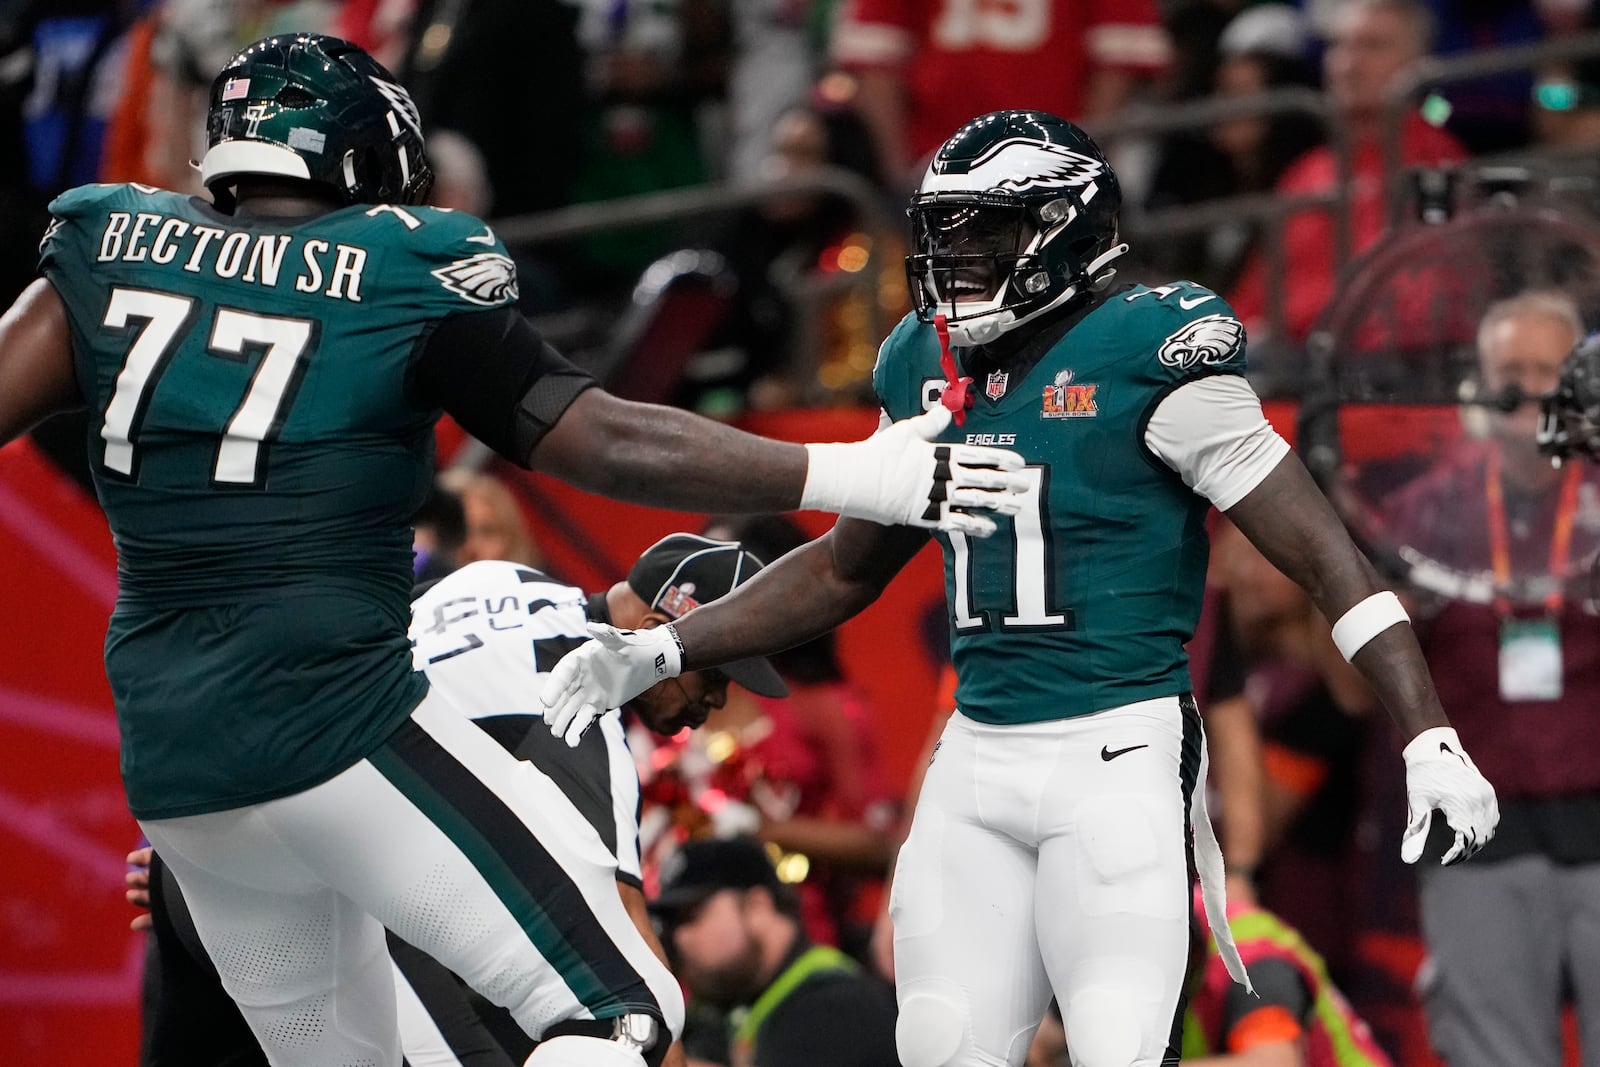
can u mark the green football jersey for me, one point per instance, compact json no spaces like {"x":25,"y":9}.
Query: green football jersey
{"x":259,"y":463}
{"x":1082,"y":601}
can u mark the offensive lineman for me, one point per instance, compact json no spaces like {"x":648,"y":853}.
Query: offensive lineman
{"x":485,"y":636}
{"x":1047,"y":854}
{"x":264,"y":374}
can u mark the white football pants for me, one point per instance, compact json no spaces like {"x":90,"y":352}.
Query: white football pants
{"x":468,"y":853}
{"x":1049,"y":858}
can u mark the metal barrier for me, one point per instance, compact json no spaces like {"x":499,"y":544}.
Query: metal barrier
{"x":583,"y":220}
{"x":1144,"y":227}
{"x":1144,"y":120}
{"x":1433,"y":72}
{"x":674,"y":205}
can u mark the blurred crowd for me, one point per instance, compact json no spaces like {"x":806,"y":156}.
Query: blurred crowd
{"x":538,"y":105}
{"x":535,"y":106}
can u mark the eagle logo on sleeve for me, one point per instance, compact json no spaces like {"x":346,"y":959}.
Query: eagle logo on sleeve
{"x":1212,"y":340}
{"x":487,"y":278}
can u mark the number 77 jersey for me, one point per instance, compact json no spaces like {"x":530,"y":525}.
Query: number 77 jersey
{"x":259,"y":458}
{"x":247,"y":377}
{"x":1082,"y":601}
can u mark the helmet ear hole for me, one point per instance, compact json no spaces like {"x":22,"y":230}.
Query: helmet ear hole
{"x":368,"y":174}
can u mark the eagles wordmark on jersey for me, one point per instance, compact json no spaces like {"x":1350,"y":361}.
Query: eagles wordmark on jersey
{"x":1083,"y":600}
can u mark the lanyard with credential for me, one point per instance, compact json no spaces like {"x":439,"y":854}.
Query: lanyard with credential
{"x":1499,"y":541}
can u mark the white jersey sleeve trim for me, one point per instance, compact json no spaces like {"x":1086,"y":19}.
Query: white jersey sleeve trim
{"x":1212,"y":432}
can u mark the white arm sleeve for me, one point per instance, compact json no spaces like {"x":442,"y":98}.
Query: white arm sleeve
{"x":1212,"y":432}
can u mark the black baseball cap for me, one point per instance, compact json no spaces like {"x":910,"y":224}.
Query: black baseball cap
{"x":682,"y":571}
{"x":709,"y":865}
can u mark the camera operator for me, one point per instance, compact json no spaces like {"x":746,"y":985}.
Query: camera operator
{"x":1521,"y":678}
{"x":1569,"y":417}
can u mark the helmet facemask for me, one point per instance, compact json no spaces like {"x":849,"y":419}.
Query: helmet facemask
{"x":981,"y":262}
{"x":1015,"y":217}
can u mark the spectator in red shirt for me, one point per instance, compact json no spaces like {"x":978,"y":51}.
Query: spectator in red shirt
{"x":1373,"y":42}
{"x":927,"y":66}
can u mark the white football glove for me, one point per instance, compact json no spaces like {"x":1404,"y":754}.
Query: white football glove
{"x":1440,"y":774}
{"x":899,"y":477}
{"x":606,"y":673}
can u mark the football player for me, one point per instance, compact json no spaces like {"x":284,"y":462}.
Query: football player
{"x":1047,"y":853}
{"x":485,"y":636}
{"x":263,"y":372}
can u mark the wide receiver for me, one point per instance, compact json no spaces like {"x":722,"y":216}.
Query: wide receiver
{"x":263,"y":374}
{"x":1048,"y":852}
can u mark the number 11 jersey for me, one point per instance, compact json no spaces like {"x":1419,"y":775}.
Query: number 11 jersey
{"x":1082,"y":601}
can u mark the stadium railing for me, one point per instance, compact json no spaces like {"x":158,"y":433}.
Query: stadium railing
{"x":1145,"y":121}
{"x":1140,"y":122}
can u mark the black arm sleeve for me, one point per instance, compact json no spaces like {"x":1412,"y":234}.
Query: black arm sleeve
{"x":494,"y":374}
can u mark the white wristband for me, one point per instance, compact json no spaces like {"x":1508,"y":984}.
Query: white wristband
{"x":1367,"y":620}
{"x":828,"y":470}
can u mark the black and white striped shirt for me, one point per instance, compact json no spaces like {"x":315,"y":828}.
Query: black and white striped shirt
{"x":486,"y":635}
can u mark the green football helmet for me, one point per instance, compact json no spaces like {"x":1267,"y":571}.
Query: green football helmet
{"x":319,"y":109}
{"x":1016,"y":215}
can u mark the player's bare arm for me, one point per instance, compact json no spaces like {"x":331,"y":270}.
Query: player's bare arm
{"x":1295,"y":527}
{"x":502,"y":382}
{"x":36,"y":375}
{"x":671,"y":458}
{"x":668,"y":457}
{"x":806,"y":593}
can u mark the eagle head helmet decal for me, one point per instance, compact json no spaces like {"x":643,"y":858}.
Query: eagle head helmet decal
{"x":1020,"y":164}
{"x":1016,"y":216}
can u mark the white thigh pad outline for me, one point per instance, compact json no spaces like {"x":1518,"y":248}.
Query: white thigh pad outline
{"x":916,"y":898}
{"x":1123,"y":868}
{"x":1102,"y":1029}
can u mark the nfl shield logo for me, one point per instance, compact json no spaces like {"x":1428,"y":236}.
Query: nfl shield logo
{"x":995,"y":386}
